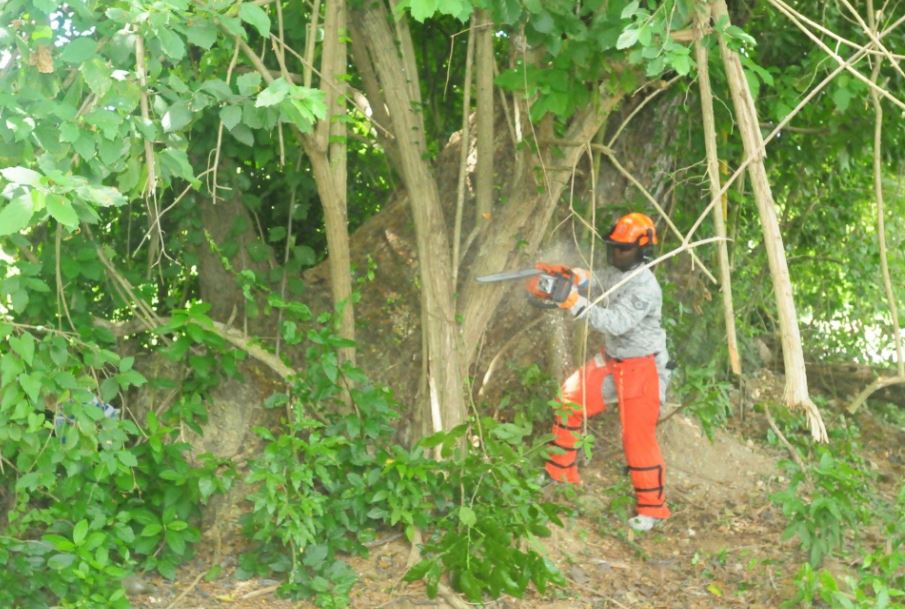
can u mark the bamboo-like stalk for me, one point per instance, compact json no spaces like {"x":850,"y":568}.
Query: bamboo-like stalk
{"x":713,"y":173}
{"x":485,"y":117}
{"x":878,"y":193}
{"x":796,"y":389}
{"x":464,"y":147}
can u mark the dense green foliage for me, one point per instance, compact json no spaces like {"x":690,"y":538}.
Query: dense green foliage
{"x":121,"y":120}
{"x":834,"y":509}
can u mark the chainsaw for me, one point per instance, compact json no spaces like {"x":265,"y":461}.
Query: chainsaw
{"x":547,"y":286}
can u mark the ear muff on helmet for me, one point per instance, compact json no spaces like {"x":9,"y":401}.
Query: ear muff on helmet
{"x":647,"y":250}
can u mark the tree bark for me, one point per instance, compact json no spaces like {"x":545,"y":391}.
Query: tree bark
{"x":515,"y":234}
{"x":330,"y":144}
{"x":796,"y":387}
{"x":444,"y":364}
{"x":713,"y":173}
{"x":485,"y":118}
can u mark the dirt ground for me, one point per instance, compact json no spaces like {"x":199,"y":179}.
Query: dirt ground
{"x":722,"y":548}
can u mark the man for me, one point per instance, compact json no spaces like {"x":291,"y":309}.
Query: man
{"x":631,"y":367}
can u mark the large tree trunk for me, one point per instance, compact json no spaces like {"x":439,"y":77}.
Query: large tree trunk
{"x":796,"y":391}
{"x":444,"y":365}
{"x":228,"y":222}
{"x":524,"y":221}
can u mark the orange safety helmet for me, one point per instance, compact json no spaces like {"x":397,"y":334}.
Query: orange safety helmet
{"x":633,"y":229}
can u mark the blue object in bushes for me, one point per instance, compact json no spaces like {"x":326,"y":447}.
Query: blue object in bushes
{"x":61,"y":421}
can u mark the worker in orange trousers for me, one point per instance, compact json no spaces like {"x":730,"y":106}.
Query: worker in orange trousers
{"x":631,"y":367}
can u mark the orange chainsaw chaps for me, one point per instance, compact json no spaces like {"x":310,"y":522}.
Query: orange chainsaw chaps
{"x":637,"y":385}
{"x":582,"y":391}
{"x":639,"y":408}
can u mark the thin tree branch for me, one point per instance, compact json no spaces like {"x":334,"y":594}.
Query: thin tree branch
{"x":880,"y":383}
{"x":878,"y":193}
{"x":662,"y":86}
{"x":464,"y":147}
{"x":628,"y":176}
{"x":871,"y":32}
{"x":855,"y":58}
{"x":216,"y":164}
{"x":784,"y":8}
{"x":782,"y":438}
{"x":819,"y":27}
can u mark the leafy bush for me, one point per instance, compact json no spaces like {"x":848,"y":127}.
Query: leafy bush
{"x":705,"y":396}
{"x":331,"y":475}
{"x":837,"y":501}
{"x":878,"y":582}
{"x":491,"y":506}
{"x":85,"y":498}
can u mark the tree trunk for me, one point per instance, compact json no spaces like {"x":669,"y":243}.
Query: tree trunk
{"x":330,"y":139}
{"x":515,"y":234}
{"x":796,"y":390}
{"x":229,"y":221}
{"x":444,"y":364}
{"x":713,"y":173}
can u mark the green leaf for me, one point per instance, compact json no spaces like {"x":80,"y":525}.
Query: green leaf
{"x":109,"y":389}
{"x":127,"y":458}
{"x":58,"y":562}
{"x":177,"y":116}
{"x":423,"y":9}
{"x":97,"y":75}
{"x":275,"y":92}
{"x":177,"y":163}
{"x":24,"y":345}
{"x":627,"y":38}
{"x":62,"y":211}
{"x":733,"y":31}
{"x":151,"y":529}
{"x":79,"y":50}
{"x":255,"y":16}
{"x":419,"y":570}
{"x":243,"y":134}
{"x":21,"y":175}
{"x":460,"y":9}
{"x":680,"y":63}
{"x":203,"y":35}
{"x":47,"y":6}
{"x":16,"y":215}
{"x":176,"y":542}
{"x":105,"y":196}
{"x":249,"y":83}
{"x":543,"y":22}
{"x":171,"y":44}
{"x":315,"y":555}
{"x":31,"y":383}
{"x":230,"y":115}
{"x":42,"y":32}
{"x":59,"y":542}
{"x":630,"y":9}
{"x":842,"y":97}
{"x":107,"y":121}
{"x":218,"y":88}
{"x":467,"y":516}
{"x":79,"y":531}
